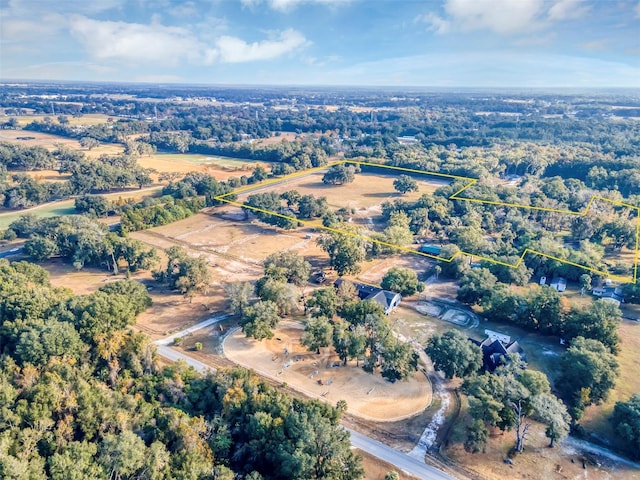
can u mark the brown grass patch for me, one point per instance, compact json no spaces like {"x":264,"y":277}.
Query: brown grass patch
{"x":376,"y":469}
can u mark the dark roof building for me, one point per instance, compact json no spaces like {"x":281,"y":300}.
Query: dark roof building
{"x":612,"y":293}
{"x":388,"y":300}
{"x":495,"y":351}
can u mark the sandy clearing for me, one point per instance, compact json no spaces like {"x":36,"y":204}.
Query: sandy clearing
{"x":368,"y":396}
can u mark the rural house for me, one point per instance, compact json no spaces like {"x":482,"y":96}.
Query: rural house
{"x":496,"y":348}
{"x":387,"y":300}
{"x":612,"y":293}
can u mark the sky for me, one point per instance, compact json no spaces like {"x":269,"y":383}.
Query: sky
{"x":431,"y":43}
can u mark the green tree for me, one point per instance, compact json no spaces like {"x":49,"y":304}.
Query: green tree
{"x":323,"y":302}
{"x":259,"y":320}
{"x":477,"y":437}
{"x":402,"y":280}
{"x":318,"y":333}
{"x":626,"y":422}
{"x":631,"y":292}
{"x":76,"y":462}
{"x":453,"y":354}
{"x":405,"y":184}
{"x":345,"y":250}
{"x":399,"y":360}
{"x":599,"y":321}
{"x":588,"y":371}
{"x":339,"y":175}
{"x":238,"y":296}
{"x":40,"y":248}
{"x":287,"y":266}
{"x":476,"y":285}
{"x":54,"y":339}
{"x":284,"y":295}
{"x":553,"y":413}
{"x":398,"y":231}
{"x":122,"y":455}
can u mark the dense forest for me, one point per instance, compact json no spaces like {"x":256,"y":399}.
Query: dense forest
{"x":82,"y":397}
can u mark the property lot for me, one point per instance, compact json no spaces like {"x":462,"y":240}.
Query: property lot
{"x":323,"y":376}
{"x":367,"y":191}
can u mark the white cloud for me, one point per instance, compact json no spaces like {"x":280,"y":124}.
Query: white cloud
{"x":504,"y":17}
{"x":287,"y":5}
{"x":235,"y":50}
{"x":134,"y":42}
{"x":156,"y":44}
{"x":436,"y":23}
{"x":16,"y":29}
{"x":637,"y":10}
{"x":567,"y":9}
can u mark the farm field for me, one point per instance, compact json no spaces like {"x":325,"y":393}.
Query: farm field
{"x":322,"y":376}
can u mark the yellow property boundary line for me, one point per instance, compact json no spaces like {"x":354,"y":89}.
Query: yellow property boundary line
{"x":455,"y":196}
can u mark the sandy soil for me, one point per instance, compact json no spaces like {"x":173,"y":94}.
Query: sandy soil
{"x":368,"y":396}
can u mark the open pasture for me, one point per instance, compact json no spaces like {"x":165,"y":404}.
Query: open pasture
{"x":226,"y":239}
{"x":368,"y":190}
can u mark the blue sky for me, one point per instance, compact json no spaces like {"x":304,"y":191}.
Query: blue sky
{"x":443,"y":43}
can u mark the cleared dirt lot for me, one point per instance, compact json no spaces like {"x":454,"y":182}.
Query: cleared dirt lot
{"x":323,"y":376}
{"x":237,"y":247}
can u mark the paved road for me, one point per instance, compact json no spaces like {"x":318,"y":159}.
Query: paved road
{"x":193,"y":328}
{"x":400,"y":460}
{"x":11,"y":253}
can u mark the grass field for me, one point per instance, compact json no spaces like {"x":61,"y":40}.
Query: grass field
{"x":219,"y":167}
